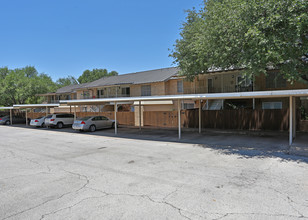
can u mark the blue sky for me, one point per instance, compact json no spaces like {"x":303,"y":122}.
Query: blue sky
{"x":65,"y":37}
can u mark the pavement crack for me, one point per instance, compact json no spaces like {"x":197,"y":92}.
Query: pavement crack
{"x":180,"y":211}
{"x":80,"y":176}
{"x":263,"y":214}
{"x":71,"y":206}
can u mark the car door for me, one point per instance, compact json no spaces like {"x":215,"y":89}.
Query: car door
{"x":97,"y":121}
{"x":107,"y":123}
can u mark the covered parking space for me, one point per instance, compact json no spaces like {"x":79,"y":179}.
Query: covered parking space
{"x":291,"y":94}
{"x":11,"y":113}
{"x":26,"y":107}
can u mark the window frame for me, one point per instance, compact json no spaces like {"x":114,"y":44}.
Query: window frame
{"x":146,"y":90}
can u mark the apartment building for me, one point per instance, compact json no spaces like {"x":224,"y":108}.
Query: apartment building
{"x":168,"y":81}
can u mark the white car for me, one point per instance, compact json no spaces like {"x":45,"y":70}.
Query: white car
{"x":38,"y":122}
{"x":59,"y":120}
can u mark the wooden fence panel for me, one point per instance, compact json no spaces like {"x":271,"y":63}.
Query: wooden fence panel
{"x":167,"y":119}
{"x":34,"y":115}
{"x":242,"y":119}
{"x":126,"y":118}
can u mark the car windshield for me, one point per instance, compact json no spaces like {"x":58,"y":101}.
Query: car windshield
{"x":84,"y":118}
{"x":40,"y":117}
{"x":49,"y":116}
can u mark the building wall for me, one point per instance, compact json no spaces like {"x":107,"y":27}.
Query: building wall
{"x":260,"y":84}
{"x":156,"y":89}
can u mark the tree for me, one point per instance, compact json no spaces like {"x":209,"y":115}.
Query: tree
{"x":66,"y":81}
{"x":95,"y":74}
{"x":250,"y":34}
{"x":20,"y":86}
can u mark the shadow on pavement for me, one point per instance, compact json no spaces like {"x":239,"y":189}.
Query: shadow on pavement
{"x":245,"y":144}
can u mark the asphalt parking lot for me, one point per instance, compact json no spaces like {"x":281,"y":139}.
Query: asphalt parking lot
{"x":62,"y":174}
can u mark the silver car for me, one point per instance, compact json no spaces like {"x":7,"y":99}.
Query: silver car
{"x":92,"y":123}
{"x":38,"y":122}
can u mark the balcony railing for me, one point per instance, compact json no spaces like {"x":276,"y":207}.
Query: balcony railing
{"x":224,"y":89}
{"x":114,"y":96}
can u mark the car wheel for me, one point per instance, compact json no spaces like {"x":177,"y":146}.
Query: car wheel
{"x":60,"y":125}
{"x":92,"y":128}
{"x":7,"y":122}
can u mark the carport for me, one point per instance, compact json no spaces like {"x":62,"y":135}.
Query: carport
{"x":291,"y":94}
{"x":34,"y":106}
{"x":9,"y":108}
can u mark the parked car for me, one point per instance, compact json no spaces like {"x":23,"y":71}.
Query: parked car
{"x":38,"y":122}
{"x":92,"y":123}
{"x":59,"y":120}
{"x":5,"y":120}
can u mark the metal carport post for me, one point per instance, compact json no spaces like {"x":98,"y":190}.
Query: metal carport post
{"x":292,"y":120}
{"x":26,"y":117}
{"x":140,"y":115}
{"x":200,"y":116}
{"x":179,"y":118}
{"x":115,"y":118}
{"x":11,"y":117}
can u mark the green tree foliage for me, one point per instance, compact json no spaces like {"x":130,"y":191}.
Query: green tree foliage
{"x":249,"y":34}
{"x":66,"y":81}
{"x":20,"y":86}
{"x":92,"y":75}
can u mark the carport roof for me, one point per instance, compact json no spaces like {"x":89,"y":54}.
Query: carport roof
{"x":6,"y":108}
{"x":35,"y":106}
{"x":234,"y":95}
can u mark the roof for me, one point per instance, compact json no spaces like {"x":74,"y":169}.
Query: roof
{"x":203,"y":96}
{"x":150,"y":76}
{"x":70,"y":88}
{"x":36,"y":105}
{"x":6,"y":108}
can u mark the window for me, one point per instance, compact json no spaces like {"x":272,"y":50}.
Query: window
{"x":188,"y":105}
{"x":104,"y":118}
{"x":100,"y":93}
{"x":86,"y":94}
{"x":243,"y":81}
{"x":271,"y":105}
{"x":126,"y":91}
{"x":146,"y":90}
{"x":275,"y":80}
{"x":180,"y":86}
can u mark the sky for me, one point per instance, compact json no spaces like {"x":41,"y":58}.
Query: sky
{"x":66,"y":37}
